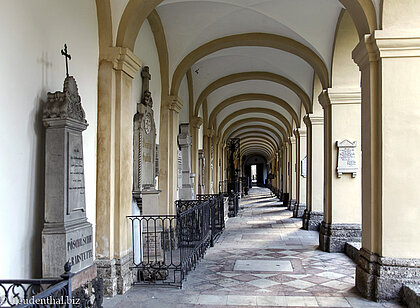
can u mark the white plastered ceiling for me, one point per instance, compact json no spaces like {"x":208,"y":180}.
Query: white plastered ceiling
{"x":189,"y":24}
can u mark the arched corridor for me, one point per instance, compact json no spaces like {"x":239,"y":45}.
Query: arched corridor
{"x":263,"y":259}
{"x":132,"y":132}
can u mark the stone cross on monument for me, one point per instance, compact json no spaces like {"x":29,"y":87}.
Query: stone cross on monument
{"x":68,"y":57}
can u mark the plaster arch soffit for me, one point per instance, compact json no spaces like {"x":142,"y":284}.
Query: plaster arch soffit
{"x":255,"y":110}
{"x":272,"y":143}
{"x":255,"y":136}
{"x":162,"y":49}
{"x":104,"y":16}
{"x":255,"y":119}
{"x":266,"y":76}
{"x":265,"y":128}
{"x":136,"y":11}
{"x":258,"y":147}
{"x":258,"y":135}
{"x":253,"y":97}
{"x":257,"y":142}
{"x":251,"y":39}
{"x":257,"y":152}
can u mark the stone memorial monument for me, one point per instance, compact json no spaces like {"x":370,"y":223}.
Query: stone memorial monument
{"x":184,"y":140}
{"x":346,"y":160}
{"x":201,"y":170}
{"x":67,"y":235}
{"x":144,"y":170}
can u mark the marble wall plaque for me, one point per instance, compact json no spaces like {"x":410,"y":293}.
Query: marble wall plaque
{"x":303,"y":167}
{"x":346,"y":158}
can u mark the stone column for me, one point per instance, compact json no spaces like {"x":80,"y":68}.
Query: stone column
{"x":292,"y":173}
{"x":342,"y":192}
{"x":168,"y":153}
{"x":117,"y":68}
{"x":314,"y":213}
{"x":300,"y":206}
{"x":185,"y":142}
{"x":389,"y":61}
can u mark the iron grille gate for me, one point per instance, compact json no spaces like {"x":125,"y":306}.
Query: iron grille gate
{"x":167,"y":247}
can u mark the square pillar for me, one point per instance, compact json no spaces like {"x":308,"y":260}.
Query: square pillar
{"x":342,"y":192}
{"x":292,"y":173}
{"x":389,"y":61}
{"x":314,"y":212}
{"x":117,"y":69}
{"x":299,"y":209}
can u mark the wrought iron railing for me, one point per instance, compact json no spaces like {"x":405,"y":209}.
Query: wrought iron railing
{"x":167,"y":247}
{"x":37,"y":292}
{"x":217,"y":207}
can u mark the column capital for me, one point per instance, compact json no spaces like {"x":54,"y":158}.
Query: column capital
{"x":397,"y":43}
{"x":365,"y":52}
{"x":209,"y":132}
{"x":174,"y":103}
{"x":311,"y":119}
{"x":123,"y":59}
{"x":333,"y":96}
{"x":196,"y":122}
{"x":292,"y":140}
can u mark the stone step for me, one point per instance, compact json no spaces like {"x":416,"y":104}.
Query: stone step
{"x":352,"y":250}
{"x":411,"y":295}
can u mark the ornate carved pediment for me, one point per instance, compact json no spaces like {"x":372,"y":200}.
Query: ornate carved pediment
{"x":66,"y":104}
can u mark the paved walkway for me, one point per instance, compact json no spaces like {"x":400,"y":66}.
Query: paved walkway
{"x":263,"y":259}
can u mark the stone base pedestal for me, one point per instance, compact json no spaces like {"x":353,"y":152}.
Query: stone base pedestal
{"x":380,"y":278}
{"x":312,"y":220}
{"x":299,"y":210}
{"x":292,"y":204}
{"x":116,"y":274}
{"x":333,"y":237}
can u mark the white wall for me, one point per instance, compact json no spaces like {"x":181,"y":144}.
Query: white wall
{"x":184,"y":114}
{"x":32,"y":34}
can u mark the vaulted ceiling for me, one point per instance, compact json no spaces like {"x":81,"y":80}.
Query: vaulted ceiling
{"x":258,"y":84}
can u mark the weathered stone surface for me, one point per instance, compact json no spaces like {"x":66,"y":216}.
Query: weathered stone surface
{"x":333,"y":237}
{"x":292,"y":204}
{"x":107,"y":271}
{"x":352,"y":250}
{"x":312,"y":220}
{"x":411,"y":295}
{"x":381,"y":278}
{"x":116,"y":274}
{"x":298,"y":210}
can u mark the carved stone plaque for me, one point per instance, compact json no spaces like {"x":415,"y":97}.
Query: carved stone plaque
{"x":346,"y":160}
